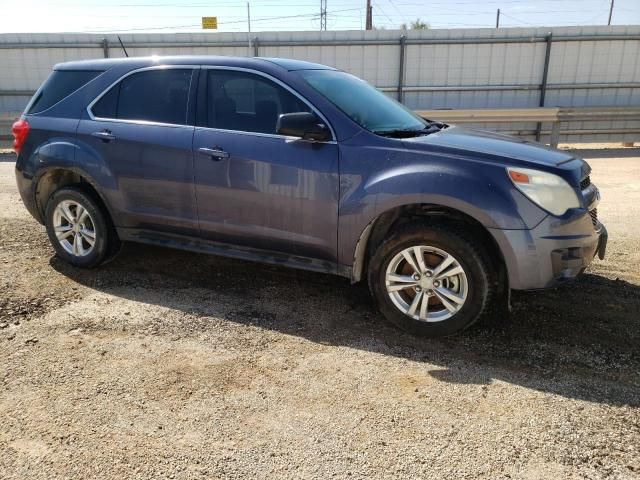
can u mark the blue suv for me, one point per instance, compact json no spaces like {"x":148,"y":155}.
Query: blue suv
{"x":299,"y":164}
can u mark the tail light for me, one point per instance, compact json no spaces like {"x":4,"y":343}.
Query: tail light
{"x":20,"y":129}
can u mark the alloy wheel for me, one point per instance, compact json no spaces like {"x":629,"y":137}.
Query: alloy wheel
{"x":426,"y":283}
{"x":74,"y":228}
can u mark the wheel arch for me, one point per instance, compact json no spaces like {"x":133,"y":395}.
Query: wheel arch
{"x":54,"y":178}
{"x":378,"y":229}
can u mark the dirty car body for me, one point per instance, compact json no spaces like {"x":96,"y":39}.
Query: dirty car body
{"x":211,"y":170}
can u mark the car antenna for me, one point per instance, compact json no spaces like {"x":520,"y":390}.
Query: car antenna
{"x":122,"y":45}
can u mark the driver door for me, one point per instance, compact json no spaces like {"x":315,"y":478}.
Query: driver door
{"x":255,"y":188}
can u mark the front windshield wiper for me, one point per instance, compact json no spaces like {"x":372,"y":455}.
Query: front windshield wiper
{"x":410,"y":132}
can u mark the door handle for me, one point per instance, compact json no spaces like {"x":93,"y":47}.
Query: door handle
{"x":105,"y":135}
{"x":215,"y":153}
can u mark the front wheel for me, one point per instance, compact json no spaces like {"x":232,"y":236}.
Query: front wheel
{"x":431,"y":280}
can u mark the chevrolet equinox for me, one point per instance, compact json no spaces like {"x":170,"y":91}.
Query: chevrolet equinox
{"x":299,"y":164}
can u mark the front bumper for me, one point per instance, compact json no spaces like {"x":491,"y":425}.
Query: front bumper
{"x":558,"y":249}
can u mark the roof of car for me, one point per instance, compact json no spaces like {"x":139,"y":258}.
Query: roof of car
{"x":140,"y":62}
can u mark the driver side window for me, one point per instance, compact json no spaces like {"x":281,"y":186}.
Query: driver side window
{"x":247,"y":102}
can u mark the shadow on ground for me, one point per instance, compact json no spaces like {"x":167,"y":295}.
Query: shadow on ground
{"x":579,"y":341}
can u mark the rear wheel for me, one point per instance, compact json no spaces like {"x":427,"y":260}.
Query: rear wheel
{"x":78,"y":228}
{"x":431,"y":280}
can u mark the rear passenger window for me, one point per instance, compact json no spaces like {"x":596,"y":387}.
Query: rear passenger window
{"x":247,"y":102}
{"x":153,"y":95}
{"x":60,"y":84}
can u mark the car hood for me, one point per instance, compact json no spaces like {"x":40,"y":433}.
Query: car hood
{"x":491,"y":144}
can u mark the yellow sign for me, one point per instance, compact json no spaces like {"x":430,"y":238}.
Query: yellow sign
{"x":210,"y":23}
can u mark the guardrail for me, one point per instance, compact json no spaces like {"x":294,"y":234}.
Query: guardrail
{"x":553,"y":116}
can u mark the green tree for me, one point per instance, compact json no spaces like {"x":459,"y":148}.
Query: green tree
{"x":417,"y":24}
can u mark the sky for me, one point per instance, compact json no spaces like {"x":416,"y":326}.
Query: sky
{"x":98,"y":16}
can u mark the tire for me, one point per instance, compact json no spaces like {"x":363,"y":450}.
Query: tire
{"x":475,"y":286}
{"x":94,"y":226}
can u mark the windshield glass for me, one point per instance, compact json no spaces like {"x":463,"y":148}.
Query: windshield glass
{"x":368,"y":107}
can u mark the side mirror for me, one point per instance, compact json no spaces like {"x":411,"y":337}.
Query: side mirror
{"x":304,"y":125}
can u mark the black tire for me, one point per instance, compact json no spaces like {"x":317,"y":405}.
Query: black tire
{"x":481,"y":279}
{"x":106,"y":240}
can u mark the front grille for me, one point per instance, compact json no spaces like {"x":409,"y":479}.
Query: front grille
{"x":585,"y":182}
{"x":594,"y":216}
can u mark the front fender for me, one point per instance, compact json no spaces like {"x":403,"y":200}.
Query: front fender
{"x":477,"y":189}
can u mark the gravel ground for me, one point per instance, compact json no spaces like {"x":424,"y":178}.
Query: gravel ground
{"x":166,"y":364}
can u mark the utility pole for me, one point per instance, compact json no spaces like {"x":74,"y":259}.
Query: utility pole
{"x":323,"y":15}
{"x":249,"y":27}
{"x":610,"y":13}
{"x":498,"y":19}
{"x":369,"y":21}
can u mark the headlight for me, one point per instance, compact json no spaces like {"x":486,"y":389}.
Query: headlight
{"x":547,"y":190}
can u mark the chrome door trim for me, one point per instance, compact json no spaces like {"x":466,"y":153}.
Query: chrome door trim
{"x":265,"y":135}
{"x":210,"y":67}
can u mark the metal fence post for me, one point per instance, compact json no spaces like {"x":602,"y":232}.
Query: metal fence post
{"x":105,"y":47}
{"x":555,"y":134}
{"x":403,"y":48}
{"x":256,"y":43}
{"x":545,"y":78}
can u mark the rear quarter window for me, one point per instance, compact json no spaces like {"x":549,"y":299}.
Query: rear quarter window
{"x":60,"y":84}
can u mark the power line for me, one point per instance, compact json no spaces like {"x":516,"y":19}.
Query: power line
{"x":493,"y":12}
{"x":383,"y":12}
{"x":433,"y":5}
{"x":393,"y":4}
{"x":515,"y":19}
{"x":254,"y":20}
{"x":201,"y":6}
{"x":433,"y":11}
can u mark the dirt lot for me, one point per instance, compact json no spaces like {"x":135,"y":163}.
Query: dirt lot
{"x":166,"y":364}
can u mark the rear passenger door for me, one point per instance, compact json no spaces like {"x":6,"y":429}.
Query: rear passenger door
{"x":141,"y":129}
{"x":256,"y":188}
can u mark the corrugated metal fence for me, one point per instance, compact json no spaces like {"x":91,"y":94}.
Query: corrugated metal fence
{"x":432,"y":69}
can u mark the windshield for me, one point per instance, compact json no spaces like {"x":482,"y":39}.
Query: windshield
{"x":368,"y":107}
